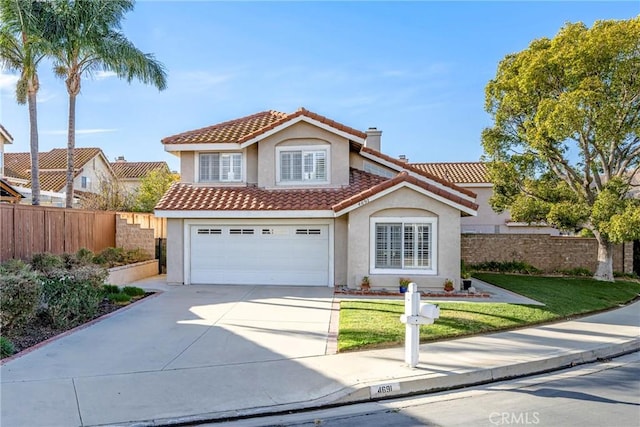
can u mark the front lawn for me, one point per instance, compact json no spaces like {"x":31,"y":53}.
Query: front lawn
{"x":375,"y":323}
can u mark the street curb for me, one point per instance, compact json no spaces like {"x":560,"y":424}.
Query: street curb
{"x":361,"y":392}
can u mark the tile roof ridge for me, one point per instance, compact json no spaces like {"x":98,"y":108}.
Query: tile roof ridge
{"x":223,"y":124}
{"x":408,"y":166}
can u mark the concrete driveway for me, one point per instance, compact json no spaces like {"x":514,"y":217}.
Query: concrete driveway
{"x":188,"y":327}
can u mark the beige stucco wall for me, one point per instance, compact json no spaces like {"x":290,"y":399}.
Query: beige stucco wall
{"x":175,"y":255}
{"x":97,"y":170}
{"x":187,"y":166}
{"x":490,"y":222}
{"x":303,"y":133}
{"x":414,"y":205}
{"x":251,"y":156}
{"x":341,"y":250}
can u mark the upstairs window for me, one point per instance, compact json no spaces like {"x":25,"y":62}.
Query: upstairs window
{"x":220,"y":167}
{"x":303,"y":165}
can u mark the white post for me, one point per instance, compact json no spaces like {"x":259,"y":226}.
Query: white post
{"x":412,"y":330}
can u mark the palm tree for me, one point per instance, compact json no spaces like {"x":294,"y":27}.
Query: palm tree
{"x":24,"y":28}
{"x":90,"y":40}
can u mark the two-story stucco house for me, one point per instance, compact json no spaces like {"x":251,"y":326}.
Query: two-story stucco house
{"x":300,"y":199}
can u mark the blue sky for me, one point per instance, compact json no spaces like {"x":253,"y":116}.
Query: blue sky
{"x":415,"y":70}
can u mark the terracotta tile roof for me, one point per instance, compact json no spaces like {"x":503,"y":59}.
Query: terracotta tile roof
{"x":182,"y":196}
{"x":426,"y":174}
{"x":458,"y":172}
{"x":53,"y":180}
{"x":19,"y":164}
{"x":245,"y":128}
{"x":134,"y":170}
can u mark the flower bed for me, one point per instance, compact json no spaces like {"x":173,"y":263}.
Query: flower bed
{"x":125,"y":274}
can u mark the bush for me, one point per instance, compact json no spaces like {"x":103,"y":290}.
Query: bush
{"x":133,"y":291}
{"x":46,"y":262}
{"x":20,"y":293}
{"x":110,"y":289}
{"x":506,"y":267}
{"x":85,"y":256}
{"x":111,"y":256}
{"x":119,"y":297}
{"x":6,"y":347}
{"x":577,"y":271}
{"x":72,"y":297}
{"x":13,"y":266}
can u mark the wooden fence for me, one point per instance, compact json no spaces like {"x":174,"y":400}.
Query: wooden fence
{"x":26,"y":230}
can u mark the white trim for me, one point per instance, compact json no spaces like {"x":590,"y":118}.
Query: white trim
{"x":187,"y":224}
{"x":413,"y":187}
{"x":309,"y":120}
{"x":417,"y":175}
{"x":474,"y":184}
{"x":227,"y":146}
{"x":304,"y":148}
{"x":433,"y":221}
{"x":7,"y":138}
{"x":243,"y":214}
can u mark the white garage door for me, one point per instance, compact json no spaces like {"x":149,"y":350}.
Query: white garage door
{"x":259,"y":254}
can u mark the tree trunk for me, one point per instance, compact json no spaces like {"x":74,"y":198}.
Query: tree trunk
{"x":71,"y":144}
{"x":33,"y":125}
{"x":605,"y":259}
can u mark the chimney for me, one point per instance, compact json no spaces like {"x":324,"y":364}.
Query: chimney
{"x":120,"y":159}
{"x":403,"y":158}
{"x":373,"y":140}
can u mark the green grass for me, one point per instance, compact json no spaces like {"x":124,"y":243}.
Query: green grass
{"x":375,"y":323}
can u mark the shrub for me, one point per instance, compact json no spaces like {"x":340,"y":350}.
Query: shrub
{"x":625,"y":275}
{"x":110,"y":289}
{"x":111,"y":256}
{"x":20,"y":293}
{"x":85,"y":256}
{"x":135,"y":255}
{"x":577,"y":271}
{"x":72,"y":297}
{"x":13,"y":266}
{"x":119,"y":297}
{"x":46,"y":262}
{"x":6,"y":347}
{"x":506,"y":267}
{"x":133,"y":291}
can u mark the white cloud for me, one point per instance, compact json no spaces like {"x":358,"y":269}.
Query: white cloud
{"x":7,"y":81}
{"x":101,"y":75}
{"x":80,"y":131}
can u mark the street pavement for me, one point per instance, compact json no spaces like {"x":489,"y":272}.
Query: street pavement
{"x":202,"y":353}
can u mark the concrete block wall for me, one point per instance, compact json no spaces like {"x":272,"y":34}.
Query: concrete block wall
{"x":132,"y":236}
{"x":548,"y":253}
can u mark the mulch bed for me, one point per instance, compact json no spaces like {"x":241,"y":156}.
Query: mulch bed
{"x":39,"y":330}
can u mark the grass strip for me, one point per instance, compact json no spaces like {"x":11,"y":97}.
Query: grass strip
{"x":366,"y":324}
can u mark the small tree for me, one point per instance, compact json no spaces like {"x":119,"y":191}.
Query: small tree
{"x":152,"y":188}
{"x":110,"y":196}
{"x":565,"y":146}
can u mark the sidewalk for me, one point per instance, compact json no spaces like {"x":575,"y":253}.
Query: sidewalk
{"x":201,"y":393}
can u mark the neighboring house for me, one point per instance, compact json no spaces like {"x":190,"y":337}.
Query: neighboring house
{"x":8,"y":194}
{"x":130,"y":174}
{"x":473,"y":176}
{"x":90,"y":164}
{"x":5,"y":138}
{"x":300,"y":199}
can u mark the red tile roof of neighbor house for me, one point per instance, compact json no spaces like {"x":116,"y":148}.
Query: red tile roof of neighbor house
{"x":183,"y":196}
{"x":134,"y":170}
{"x":420,"y":171}
{"x":458,"y":172}
{"x":245,"y":128}
{"x":20,"y":163}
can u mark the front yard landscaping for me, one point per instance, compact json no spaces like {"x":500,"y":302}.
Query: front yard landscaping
{"x":55,"y":293}
{"x":366,"y":324}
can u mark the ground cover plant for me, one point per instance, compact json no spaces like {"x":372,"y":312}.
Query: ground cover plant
{"x":375,"y":323}
{"x":54,"y":293}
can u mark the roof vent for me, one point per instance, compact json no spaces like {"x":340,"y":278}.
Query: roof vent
{"x":120,"y":159}
{"x":403,"y":158}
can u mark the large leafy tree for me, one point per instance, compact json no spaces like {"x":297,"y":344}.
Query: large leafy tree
{"x":90,"y":39}
{"x":25,"y":26}
{"x":564,"y":148}
{"x":152,"y":188}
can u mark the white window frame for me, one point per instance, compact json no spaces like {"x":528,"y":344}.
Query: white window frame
{"x":304,"y":150}
{"x":432,"y":222}
{"x":222,"y":156}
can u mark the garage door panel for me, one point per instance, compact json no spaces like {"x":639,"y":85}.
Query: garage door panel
{"x":274,"y":254}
